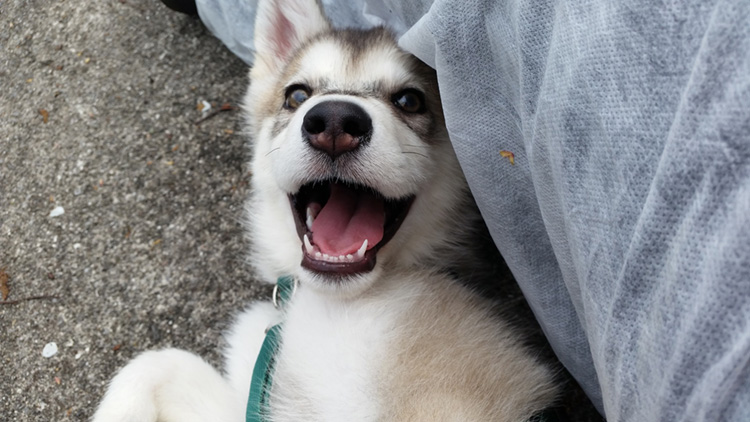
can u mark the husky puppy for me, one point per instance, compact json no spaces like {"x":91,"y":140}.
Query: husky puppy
{"x":357,"y":195}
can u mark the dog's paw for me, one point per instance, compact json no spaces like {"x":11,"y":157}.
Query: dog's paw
{"x":169,"y":385}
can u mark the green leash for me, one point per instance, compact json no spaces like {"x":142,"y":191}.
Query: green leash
{"x":260,"y":387}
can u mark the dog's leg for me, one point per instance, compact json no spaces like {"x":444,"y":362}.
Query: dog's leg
{"x":244,"y":340}
{"x":172,"y":386}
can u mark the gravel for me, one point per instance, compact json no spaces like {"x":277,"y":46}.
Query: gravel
{"x":119,"y":216}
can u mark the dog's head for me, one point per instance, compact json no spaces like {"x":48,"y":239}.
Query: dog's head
{"x":353,"y":173}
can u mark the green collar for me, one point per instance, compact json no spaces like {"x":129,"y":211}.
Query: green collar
{"x":260,"y":387}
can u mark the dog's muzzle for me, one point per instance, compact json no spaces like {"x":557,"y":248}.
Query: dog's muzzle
{"x":342,"y":223}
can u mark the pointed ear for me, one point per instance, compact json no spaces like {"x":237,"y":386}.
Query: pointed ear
{"x":281,"y":26}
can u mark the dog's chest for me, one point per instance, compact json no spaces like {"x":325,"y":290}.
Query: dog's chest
{"x":328,"y":367}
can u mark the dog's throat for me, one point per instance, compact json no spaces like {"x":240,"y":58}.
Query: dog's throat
{"x":348,"y":218}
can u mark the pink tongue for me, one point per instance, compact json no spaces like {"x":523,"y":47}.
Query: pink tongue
{"x":348,"y":218}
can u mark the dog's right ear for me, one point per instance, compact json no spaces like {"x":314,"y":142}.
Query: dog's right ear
{"x":282,"y":26}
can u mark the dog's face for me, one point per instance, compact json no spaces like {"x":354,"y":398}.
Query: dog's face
{"x":352,"y":168}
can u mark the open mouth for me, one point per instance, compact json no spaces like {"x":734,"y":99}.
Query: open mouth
{"x":342,"y":226}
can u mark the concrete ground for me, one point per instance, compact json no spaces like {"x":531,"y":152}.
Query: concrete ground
{"x":98,"y":104}
{"x":119,"y":215}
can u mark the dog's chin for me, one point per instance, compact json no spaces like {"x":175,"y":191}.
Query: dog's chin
{"x":342,"y":227}
{"x":339,"y":285}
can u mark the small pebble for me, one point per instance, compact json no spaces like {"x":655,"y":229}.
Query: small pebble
{"x":58,"y":211}
{"x":50,"y":349}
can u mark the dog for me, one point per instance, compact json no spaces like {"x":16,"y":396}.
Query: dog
{"x":358,"y":197}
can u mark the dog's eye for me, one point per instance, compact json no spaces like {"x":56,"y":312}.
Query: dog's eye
{"x":410,"y":101}
{"x":295,"y":96}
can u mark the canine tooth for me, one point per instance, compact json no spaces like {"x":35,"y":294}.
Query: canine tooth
{"x":309,"y":219}
{"x":361,"y":252}
{"x":308,"y":246}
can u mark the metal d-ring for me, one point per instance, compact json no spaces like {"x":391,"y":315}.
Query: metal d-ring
{"x":278,"y":297}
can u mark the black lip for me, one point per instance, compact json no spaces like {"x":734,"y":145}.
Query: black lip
{"x":396,"y":211}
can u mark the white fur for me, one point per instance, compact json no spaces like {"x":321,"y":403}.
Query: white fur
{"x":400,"y":342}
{"x":170,"y":385}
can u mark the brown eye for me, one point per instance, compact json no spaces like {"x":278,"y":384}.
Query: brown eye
{"x":410,"y":101}
{"x":295,"y":96}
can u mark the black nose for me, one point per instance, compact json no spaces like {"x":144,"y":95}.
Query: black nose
{"x":336,"y":127}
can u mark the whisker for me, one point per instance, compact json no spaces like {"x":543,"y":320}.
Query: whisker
{"x":413,"y":152}
{"x":416,"y":146}
{"x":273,"y":150}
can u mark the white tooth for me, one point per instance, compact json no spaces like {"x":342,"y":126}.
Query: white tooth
{"x":318,"y":254}
{"x":326,"y":257}
{"x":308,"y":246}
{"x":361,"y":252}
{"x":349,"y":257}
{"x":342,"y":258}
{"x":310,"y":218}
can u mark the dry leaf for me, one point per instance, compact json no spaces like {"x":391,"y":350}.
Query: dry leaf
{"x":117,"y":347}
{"x":4,"y":280}
{"x":228,"y":131}
{"x":57,"y":380}
{"x":510,"y":156}
{"x":45,"y":115}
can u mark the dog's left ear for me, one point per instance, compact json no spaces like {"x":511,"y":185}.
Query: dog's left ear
{"x":282,"y":26}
